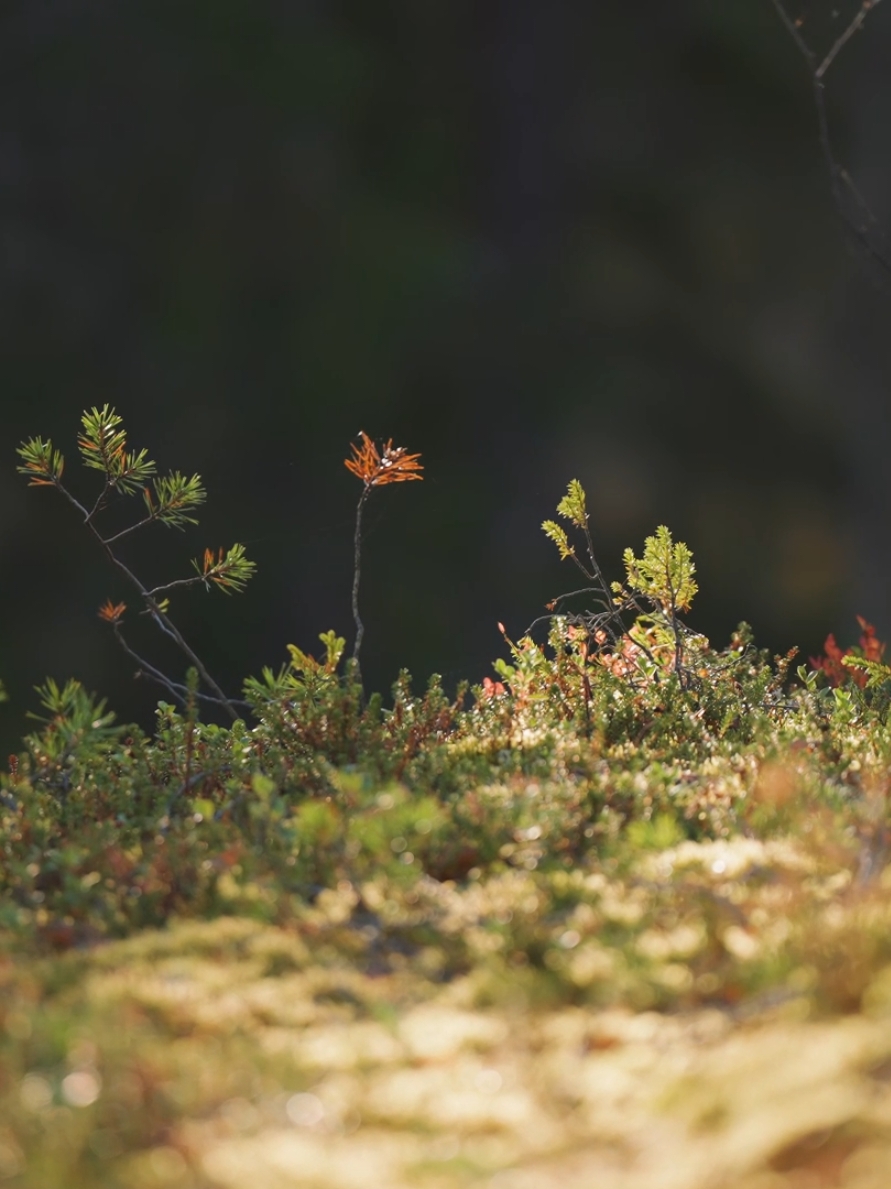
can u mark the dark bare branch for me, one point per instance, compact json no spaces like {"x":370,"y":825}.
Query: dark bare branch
{"x":853,"y":209}
{"x":855,"y":25}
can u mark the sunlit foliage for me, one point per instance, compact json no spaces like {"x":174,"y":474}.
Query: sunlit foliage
{"x":465,"y":936}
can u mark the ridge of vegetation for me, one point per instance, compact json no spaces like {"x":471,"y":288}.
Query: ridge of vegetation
{"x":501,"y":939}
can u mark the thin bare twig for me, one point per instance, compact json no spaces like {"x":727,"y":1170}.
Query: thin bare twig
{"x":178,"y":691}
{"x":166,"y":624}
{"x":177,"y":582}
{"x":795,"y":33}
{"x":854,"y":26}
{"x":853,"y":209}
{"x":163,"y":621}
{"x":125,"y":532}
{"x":357,"y":573}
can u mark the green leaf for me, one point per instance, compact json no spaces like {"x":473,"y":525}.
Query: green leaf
{"x":504,"y":670}
{"x":573,"y":506}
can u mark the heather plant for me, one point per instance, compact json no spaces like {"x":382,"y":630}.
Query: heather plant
{"x":658,"y":587}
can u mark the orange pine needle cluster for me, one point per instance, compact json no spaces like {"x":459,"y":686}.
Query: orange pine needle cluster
{"x":212,"y":560}
{"x":96,"y":450}
{"x":112,"y":612}
{"x":218,"y":569}
{"x":375,"y":468}
{"x":37,"y":472}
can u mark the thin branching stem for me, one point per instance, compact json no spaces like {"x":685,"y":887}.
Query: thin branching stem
{"x":178,"y":582}
{"x":161,"y":619}
{"x":125,"y":532}
{"x":376,"y":468}
{"x":855,"y":25}
{"x":675,"y":627}
{"x":615,"y":612}
{"x":862,"y":223}
{"x":611,"y":612}
{"x":177,"y":690}
{"x":164,"y":621}
{"x":598,"y":573}
{"x":100,"y":500}
{"x":357,"y":572}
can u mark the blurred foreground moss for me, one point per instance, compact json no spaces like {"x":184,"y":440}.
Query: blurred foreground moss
{"x":236,"y":1052}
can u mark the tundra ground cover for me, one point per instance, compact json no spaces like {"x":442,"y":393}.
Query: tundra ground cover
{"x":617,"y":916}
{"x":483,"y":945}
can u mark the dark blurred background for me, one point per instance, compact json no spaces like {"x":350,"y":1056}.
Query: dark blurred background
{"x":532,"y":241}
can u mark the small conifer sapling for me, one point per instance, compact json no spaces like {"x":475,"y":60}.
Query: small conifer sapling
{"x":167,"y":499}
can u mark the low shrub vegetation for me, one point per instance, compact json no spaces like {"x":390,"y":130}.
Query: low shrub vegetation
{"x":617,"y":915}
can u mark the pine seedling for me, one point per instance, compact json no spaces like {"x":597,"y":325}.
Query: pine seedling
{"x":375,"y":468}
{"x":170,"y":500}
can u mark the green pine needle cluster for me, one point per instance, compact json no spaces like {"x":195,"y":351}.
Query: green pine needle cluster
{"x":174,"y":496}
{"x":41,"y":462}
{"x":230,"y":570}
{"x":102,"y":445}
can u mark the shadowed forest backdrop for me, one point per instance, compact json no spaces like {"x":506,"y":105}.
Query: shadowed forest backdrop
{"x":532,"y":241}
